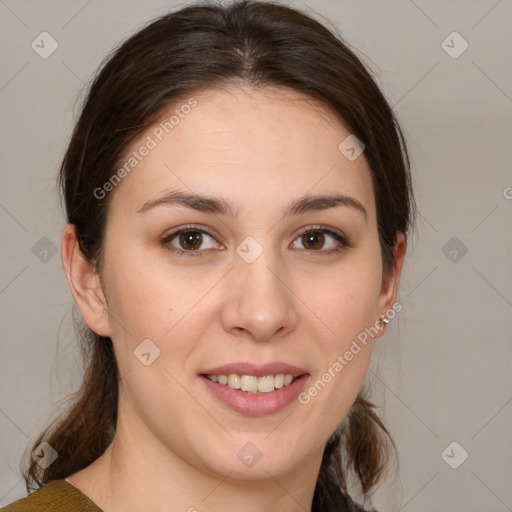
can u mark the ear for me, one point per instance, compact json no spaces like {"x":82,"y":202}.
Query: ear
{"x":390,"y":280}
{"x":84,"y":283}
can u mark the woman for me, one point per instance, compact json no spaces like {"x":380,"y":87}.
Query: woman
{"x":238,"y":200}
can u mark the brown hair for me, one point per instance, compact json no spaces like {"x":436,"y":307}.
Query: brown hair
{"x":205,"y":45}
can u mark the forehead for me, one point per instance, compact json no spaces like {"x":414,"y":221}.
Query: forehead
{"x":243,"y":142}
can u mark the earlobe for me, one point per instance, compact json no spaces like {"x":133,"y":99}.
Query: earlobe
{"x":84,"y":283}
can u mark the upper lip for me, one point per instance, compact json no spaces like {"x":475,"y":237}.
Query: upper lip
{"x":245,"y":368}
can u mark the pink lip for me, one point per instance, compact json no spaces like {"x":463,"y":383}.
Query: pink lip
{"x":257,"y":371}
{"x":254,"y":404}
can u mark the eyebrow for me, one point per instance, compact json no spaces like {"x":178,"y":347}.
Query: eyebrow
{"x":220,"y":206}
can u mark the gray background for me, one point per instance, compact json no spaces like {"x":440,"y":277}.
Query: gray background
{"x":443,"y":369}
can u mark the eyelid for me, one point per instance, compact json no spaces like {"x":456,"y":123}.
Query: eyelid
{"x":190,"y":227}
{"x":322,"y":227}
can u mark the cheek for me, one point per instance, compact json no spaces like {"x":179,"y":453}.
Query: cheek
{"x":140,"y":300}
{"x":348,"y":306}
{"x":349,"y":301}
{"x":159,"y":303}
{"x":141,"y":291}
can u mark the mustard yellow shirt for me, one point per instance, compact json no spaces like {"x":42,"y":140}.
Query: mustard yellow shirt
{"x":55,"y":496}
{"x":61,"y":496}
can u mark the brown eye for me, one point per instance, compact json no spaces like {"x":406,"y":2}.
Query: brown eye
{"x":321,"y":240}
{"x":190,"y":241}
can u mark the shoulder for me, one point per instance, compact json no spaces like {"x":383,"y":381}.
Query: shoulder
{"x":55,"y":496}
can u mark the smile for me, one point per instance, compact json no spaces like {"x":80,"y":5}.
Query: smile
{"x":252,"y":383}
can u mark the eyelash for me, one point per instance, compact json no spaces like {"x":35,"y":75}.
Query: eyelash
{"x":344,"y":242}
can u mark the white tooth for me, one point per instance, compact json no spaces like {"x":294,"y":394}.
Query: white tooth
{"x":266,"y":384}
{"x":234,"y":381}
{"x":253,"y":384}
{"x":249,"y":383}
{"x":279,"y":381}
{"x":288,"y":379}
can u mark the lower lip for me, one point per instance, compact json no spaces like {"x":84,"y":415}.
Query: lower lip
{"x":256,"y":404}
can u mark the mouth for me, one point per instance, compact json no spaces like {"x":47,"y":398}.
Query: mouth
{"x":255,"y":390}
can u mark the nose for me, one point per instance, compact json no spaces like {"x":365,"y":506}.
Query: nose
{"x":259,"y":304}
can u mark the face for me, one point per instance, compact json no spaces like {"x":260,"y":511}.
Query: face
{"x":222,"y":262}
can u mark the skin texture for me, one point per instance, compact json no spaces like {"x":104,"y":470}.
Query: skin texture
{"x":176,"y":445}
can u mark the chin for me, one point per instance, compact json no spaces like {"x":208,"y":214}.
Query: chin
{"x":256,"y":460}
